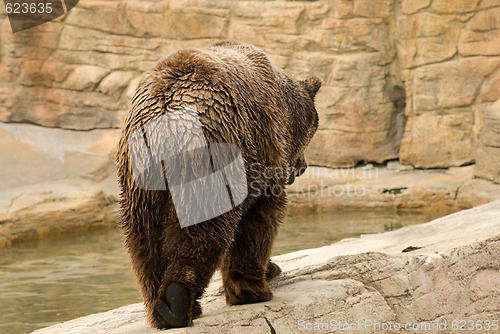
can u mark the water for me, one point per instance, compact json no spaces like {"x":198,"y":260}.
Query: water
{"x":48,"y":281}
{"x":44,"y":282}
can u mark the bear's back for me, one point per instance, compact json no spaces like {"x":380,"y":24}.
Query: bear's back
{"x":234,"y":89}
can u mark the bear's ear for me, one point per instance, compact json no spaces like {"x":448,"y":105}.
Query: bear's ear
{"x":312,"y":85}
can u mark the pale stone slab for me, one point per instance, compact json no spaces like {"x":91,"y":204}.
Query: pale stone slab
{"x":454,"y":276}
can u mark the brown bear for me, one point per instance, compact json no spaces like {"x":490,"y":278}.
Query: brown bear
{"x":239,"y":98}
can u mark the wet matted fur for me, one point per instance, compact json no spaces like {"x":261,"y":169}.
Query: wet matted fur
{"x":242,"y":99}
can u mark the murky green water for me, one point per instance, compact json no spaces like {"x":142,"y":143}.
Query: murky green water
{"x":49,"y":281}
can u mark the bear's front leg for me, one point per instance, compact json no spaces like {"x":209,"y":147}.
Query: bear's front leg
{"x":246,"y":266}
{"x":272,"y":271}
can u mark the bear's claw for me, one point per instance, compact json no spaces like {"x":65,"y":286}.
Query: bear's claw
{"x":173,"y":312}
{"x":272,"y":271}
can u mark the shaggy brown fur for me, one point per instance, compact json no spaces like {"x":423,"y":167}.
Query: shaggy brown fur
{"x":241,"y":99}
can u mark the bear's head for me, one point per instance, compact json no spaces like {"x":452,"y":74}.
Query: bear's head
{"x":304,"y":122}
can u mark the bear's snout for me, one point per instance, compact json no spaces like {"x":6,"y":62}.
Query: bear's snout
{"x":299,"y":169}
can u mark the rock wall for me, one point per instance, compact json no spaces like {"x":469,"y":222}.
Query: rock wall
{"x":488,"y":156}
{"x":404,"y":78}
{"x":449,"y":51}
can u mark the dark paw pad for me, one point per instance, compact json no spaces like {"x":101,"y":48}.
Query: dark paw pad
{"x":173,"y":312}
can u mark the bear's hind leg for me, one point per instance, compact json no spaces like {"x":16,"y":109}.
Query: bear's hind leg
{"x":193,"y":254}
{"x":246,"y":266}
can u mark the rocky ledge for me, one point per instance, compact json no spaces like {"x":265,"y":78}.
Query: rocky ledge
{"x":59,"y":180}
{"x":55,"y":180}
{"x":430,"y":278}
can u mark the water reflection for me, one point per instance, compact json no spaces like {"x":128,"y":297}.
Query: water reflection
{"x":48,"y":281}
{"x":321,"y":229}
